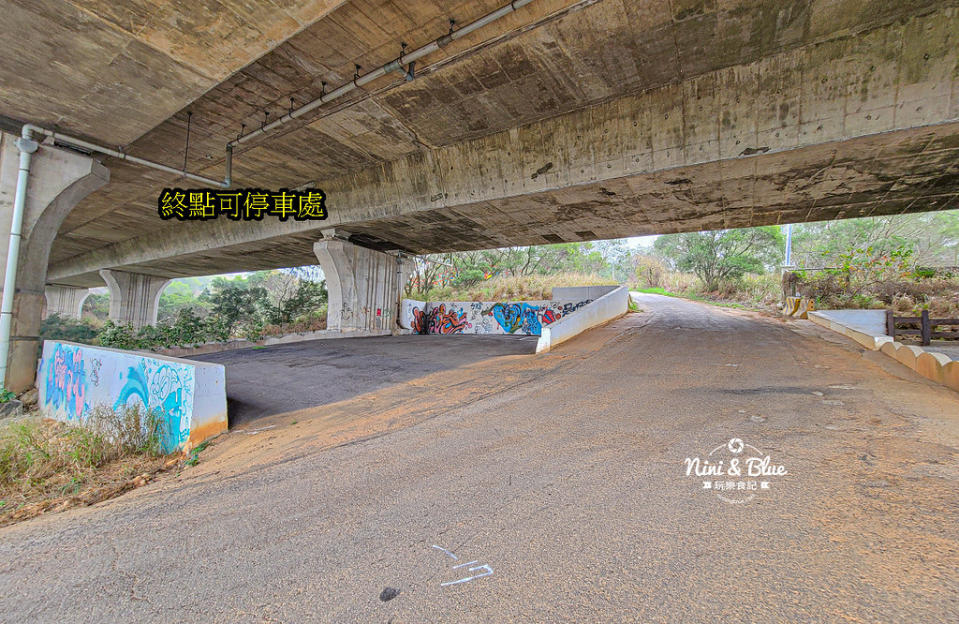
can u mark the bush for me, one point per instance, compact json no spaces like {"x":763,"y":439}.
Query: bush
{"x":188,"y":329}
{"x":56,"y":327}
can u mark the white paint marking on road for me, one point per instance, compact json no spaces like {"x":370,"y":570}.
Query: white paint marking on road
{"x":489,"y":571}
{"x":255,"y":431}
{"x":465,"y":564}
{"x":843,"y":387}
{"x":455,"y":558}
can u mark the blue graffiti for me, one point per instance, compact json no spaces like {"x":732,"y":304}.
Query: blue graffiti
{"x":66,"y":381}
{"x":515,"y":316}
{"x":136,"y":385}
{"x":164,"y":392}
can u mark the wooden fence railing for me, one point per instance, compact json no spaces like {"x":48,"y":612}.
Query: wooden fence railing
{"x":921,"y":326}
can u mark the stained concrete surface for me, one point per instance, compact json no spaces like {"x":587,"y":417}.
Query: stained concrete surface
{"x":284,"y":378}
{"x":563,"y":473}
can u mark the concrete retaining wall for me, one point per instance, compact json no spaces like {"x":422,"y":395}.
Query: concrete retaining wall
{"x":581,"y":293}
{"x":866,"y":327}
{"x":191,"y":396}
{"x":608,"y":307}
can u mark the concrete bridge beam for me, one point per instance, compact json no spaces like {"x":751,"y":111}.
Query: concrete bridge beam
{"x":67,"y":301}
{"x":58,"y":180}
{"x":364,"y":285}
{"x":134,"y":297}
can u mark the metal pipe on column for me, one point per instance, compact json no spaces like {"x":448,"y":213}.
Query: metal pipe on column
{"x":27,"y":147}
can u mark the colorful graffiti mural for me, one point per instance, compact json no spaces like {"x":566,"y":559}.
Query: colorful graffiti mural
{"x":484,"y":317}
{"x":443,"y":322}
{"x":75,"y":378}
{"x":515,"y":316}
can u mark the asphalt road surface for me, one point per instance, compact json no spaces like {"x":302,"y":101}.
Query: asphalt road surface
{"x":557,"y":486}
{"x":319,"y":372}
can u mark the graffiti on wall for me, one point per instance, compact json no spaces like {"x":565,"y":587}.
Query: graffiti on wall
{"x":66,"y":381}
{"x":75,"y":378}
{"x":443,"y":322}
{"x":161,"y":389}
{"x":515,"y":316}
{"x":482,"y":317}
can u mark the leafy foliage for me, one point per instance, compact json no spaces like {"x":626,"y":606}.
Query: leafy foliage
{"x":722,"y":255}
{"x":610,"y":260}
{"x":56,"y":327}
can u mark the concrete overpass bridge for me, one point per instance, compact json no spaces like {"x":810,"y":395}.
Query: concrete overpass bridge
{"x":558,"y":121}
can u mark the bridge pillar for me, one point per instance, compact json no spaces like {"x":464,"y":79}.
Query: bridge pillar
{"x":67,"y":301}
{"x":364,"y":285}
{"x":134,"y":297}
{"x":58,"y":180}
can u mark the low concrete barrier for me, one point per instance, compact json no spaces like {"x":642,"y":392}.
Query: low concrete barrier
{"x":581,"y":293}
{"x":190,"y":396}
{"x":608,"y":307}
{"x":866,"y":327}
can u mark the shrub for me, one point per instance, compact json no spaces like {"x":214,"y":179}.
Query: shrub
{"x":56,"y":327}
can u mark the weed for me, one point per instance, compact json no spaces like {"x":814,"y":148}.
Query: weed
{"x":43,"y":458}
{"x":195,"y":453}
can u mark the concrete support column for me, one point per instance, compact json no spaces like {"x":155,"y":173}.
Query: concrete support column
{"x":134,"y":297}
{"x":364,"y":285}
{"x":67,"y":301}
{"x":58,"y":180}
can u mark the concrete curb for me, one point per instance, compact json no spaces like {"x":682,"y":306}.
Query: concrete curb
{"x":608,"y":307}
{"x":934,"y":366}
{"x":869,"y":341}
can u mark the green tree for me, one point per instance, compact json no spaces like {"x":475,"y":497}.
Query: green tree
{"x":932,"y":237}
{"x":176,"y":297}
{"x":720,"y":255}
{"x":232,"y":300}
{"x":96,"y":307}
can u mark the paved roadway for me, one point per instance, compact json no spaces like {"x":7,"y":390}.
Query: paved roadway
{"x":564,"y":474}
{"x":319,"y":372}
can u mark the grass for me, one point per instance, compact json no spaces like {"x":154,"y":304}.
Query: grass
{"x":515,"y":288}
{"x":42,"y":460}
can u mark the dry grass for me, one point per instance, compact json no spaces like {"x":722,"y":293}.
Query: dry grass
{"x":515,"y":288}
{"x":45,"y":463}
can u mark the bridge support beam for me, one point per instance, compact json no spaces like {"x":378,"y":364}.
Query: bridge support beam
{"x":364,"y":285}
{"x":58,"y":180}
{"x":67,"y":301}
{"x":134,"y":297}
